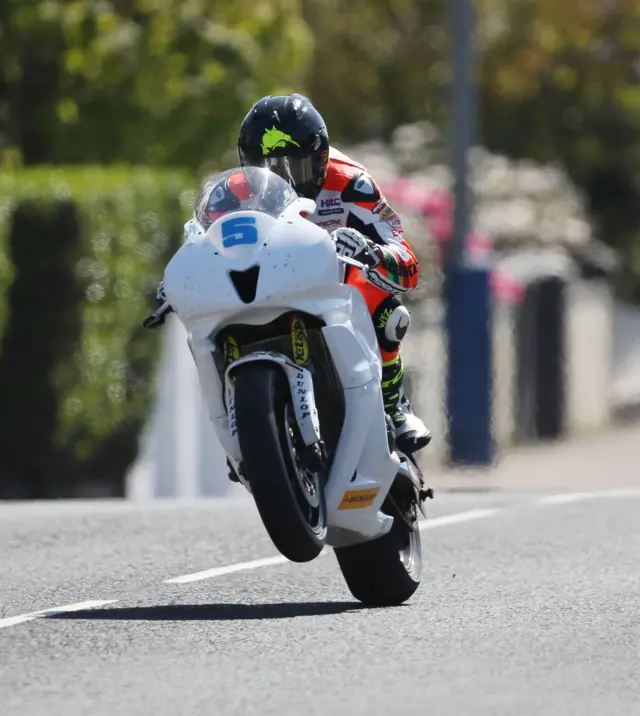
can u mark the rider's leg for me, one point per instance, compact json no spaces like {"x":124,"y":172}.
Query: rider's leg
{"x":391,"y":321}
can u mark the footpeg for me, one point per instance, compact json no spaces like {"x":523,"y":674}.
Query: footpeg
{"x":233,"y":475}
{"x":426,"y":494}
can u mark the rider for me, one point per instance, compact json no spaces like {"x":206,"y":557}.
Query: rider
{"x":287,"y":135}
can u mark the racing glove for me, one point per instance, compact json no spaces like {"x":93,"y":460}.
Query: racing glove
{"x":353,"y":244}
{"x":161,"y":296}
{"x":158,"y":318}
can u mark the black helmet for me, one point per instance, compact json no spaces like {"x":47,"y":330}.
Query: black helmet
{"x":287,"y":135}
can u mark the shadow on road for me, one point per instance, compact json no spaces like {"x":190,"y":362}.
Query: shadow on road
{"x":214,"y":612}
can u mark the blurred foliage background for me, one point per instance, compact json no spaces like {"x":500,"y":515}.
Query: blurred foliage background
{"x":111,"y":110}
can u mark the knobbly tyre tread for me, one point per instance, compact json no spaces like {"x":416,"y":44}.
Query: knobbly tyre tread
{"x":259,"y":405}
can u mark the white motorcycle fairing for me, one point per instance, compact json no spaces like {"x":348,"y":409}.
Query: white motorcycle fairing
{"x":299,"y":271}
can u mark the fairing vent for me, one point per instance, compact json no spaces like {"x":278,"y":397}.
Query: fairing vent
{"x":246,"y":283}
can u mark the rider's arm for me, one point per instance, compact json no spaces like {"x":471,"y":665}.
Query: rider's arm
{"x":369,"y":213}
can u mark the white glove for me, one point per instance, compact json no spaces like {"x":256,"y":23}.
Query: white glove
{"x":161,"y":296}
{"x":353,"y":244}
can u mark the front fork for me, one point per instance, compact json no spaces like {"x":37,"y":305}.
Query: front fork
{"x":297,"y":369}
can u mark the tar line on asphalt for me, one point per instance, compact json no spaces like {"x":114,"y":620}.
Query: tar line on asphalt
{"x":442,"y":521}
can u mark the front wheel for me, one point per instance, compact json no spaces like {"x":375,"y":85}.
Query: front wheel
{"x":289,"y":496}
{"x":386,"y":571}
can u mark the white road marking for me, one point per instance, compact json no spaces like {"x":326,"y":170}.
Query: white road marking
{"x":432,"y":523}
{"x":566,"y":498}
{"x":457,"y":518}
{"x":229,"y":569}
{"x":272,"y":561}
{"x":22,"y":618}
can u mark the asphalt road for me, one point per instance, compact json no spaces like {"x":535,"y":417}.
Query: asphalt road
{"x":530,"y":605}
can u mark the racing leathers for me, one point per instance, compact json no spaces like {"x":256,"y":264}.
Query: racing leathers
{"x":363,"y":225}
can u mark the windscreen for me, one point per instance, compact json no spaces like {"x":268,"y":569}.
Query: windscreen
{"x":242,"y":189}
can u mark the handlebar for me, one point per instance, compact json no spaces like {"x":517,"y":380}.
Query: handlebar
{"x":157,"y":319}
{"x":352,"y":262}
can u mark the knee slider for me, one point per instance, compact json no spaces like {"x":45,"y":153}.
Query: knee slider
{"x":397,"y":324}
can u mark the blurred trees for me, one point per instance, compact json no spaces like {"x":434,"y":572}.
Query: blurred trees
{"x":92,"y":82}
{"x":378,"y":64}
{"x":557,"y":82}
{"x":561,"y":82}
{"x":167,"y":82}
{"x":153,"y":81}
{"x":85,"y":248}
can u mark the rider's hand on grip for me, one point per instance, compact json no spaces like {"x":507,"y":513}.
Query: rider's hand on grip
{"x":161,"y":296}
{"x":353,"y":244}
{"x":164,"y":308}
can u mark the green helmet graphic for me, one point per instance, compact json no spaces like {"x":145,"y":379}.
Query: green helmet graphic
{"x":286,"y":134}
{"x":275,"y":139}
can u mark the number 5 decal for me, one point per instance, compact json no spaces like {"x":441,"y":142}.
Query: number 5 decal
{"x":239,"y":230}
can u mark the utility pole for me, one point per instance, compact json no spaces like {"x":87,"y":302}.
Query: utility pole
{"x":468,"y":299}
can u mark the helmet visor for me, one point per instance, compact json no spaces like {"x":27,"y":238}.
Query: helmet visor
{"x":305,"y":174}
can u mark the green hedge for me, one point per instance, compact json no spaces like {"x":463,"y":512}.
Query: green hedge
{"x":81,"y":254}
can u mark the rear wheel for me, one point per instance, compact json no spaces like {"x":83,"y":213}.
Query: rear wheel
{"x":387,"y":570}
{"x":289,"y":495}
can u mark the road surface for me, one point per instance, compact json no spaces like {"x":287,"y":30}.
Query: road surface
{"x":529,"y":606}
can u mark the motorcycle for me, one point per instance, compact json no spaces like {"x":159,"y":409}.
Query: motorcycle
{"x":289,"y":366}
